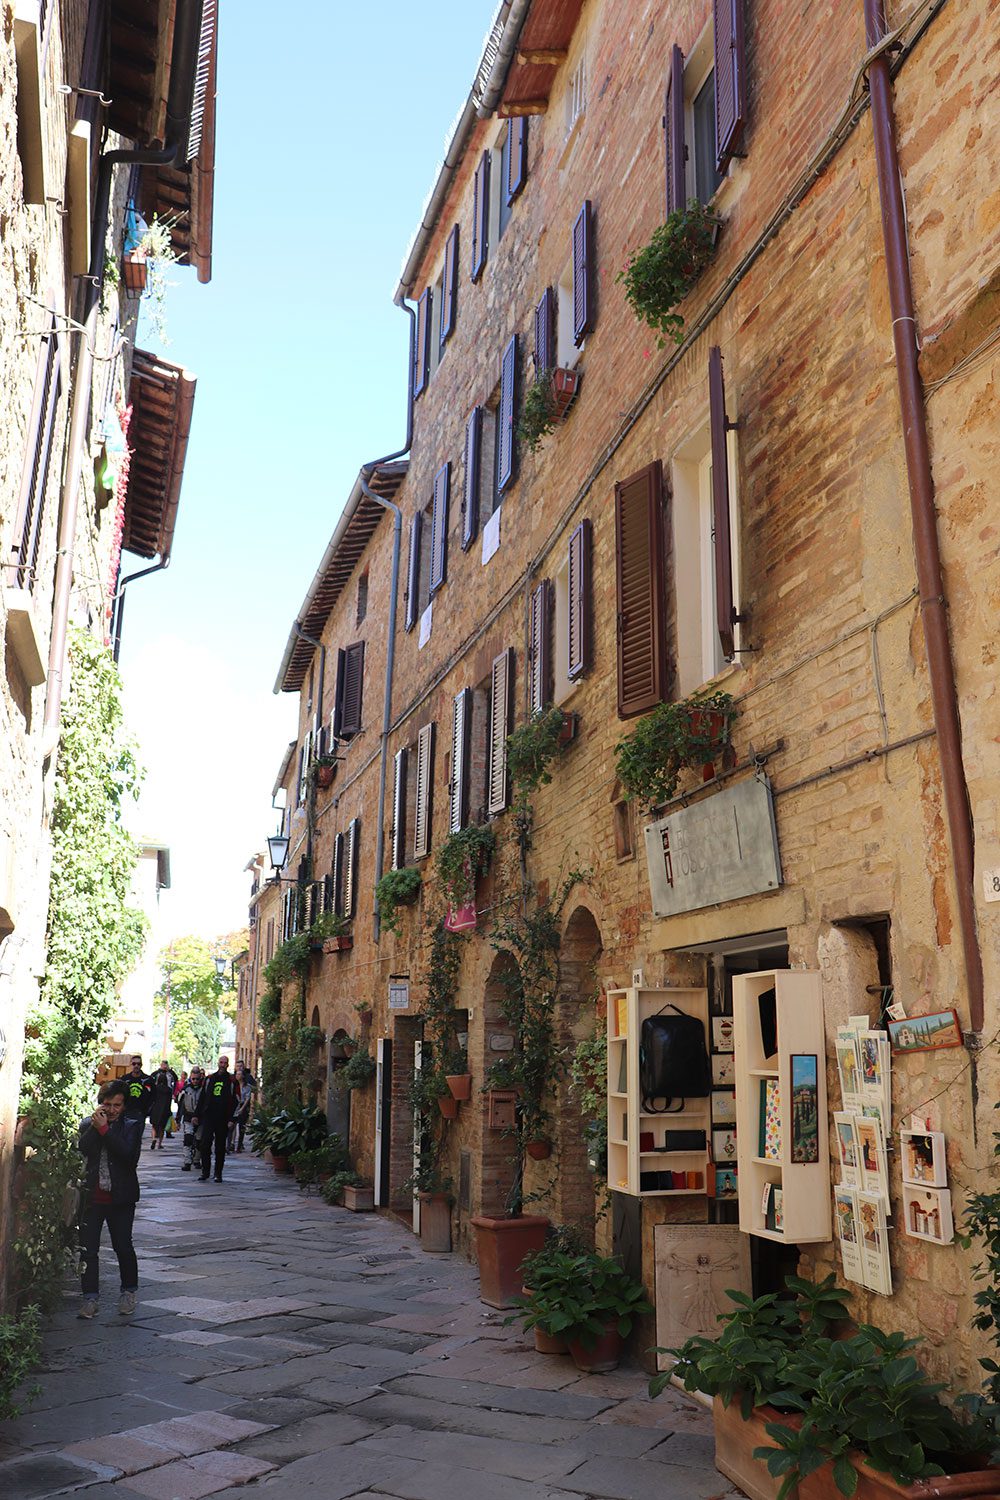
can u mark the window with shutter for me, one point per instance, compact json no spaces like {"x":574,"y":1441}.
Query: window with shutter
{"x":725,"y":610}
{"x":470,"y":491}
{"x":584,"y":273}
{"x":501,"y":706}
{"x":328,"y":894}
{"x":422,"y":361}
{"x":350,"y":685}
{"x":730,"y":80}
{"x":505,"y":446}
{"x":461,"y":725}
{"x":423,"y":810}
{"x":539,"y":647}
{"x":578,"y":647}
{"x":545,"y":323}
{"x":337,"y":874}
{"x":27,"y":535}
{"x":413,"y":573}
{"x":449,"y":288}
{"x":517,"y":160}
{"x":480,"y":216}
{"x":642,"y":657}
{"x":673,"y":126}
{"x":399,"y":810}
{"x":439,"y":527}
{"x":351,"y":846}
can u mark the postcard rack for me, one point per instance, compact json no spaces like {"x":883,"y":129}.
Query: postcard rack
{"x":781,"y":1111}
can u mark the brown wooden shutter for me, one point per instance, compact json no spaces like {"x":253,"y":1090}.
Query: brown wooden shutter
{"x":424,"y":793}
{"x":399,"y":809}
{"x":578,"y":653}
{"x":545,"y":324}
{"x":470,"y":493}
{"x":461,"y":730}
{"x":480,"y":216}
{"x":449,"y":288}
{"x":327,"y":894}
{"x":673,"y":128}
{"x":642,"y":658}
{"x":351,"y":845}
{"x":413,"y":573}
{"x":422,"y":362}
{"x":725,"y":612}
{"x":505,"y":416}
{"x":539,"y":647}
{"x":730,"y":80}
{"x":501,"y":706}
{"x":27,"y":534}
{"x":439,"y":527}
{"x":517,"y":157}
{"x":337,"y":874}
{"x":584,"y":272}
{"x":350,"y":685}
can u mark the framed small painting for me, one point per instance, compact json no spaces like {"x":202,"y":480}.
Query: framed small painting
{"x":805,"y":1107}
{"x":926,"y":1033}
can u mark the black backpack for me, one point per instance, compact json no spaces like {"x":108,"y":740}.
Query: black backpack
{"x":673,"y":1062}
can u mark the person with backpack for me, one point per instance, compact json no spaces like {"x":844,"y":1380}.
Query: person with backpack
{"x":161,"y":1098}
{"x":138,"y":1093}
{"x":110,"y":1141}
{"x":217,"y":1107}
{"x":189,"y":1117}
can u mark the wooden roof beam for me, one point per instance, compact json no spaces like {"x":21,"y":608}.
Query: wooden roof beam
{"x":507,"y":109}
{"x":542,"y":57}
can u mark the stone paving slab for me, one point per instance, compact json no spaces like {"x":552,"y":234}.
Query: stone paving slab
{"x":206,"y":1474}
{"x":504,"y":1398}
{"x":44,"y":1473}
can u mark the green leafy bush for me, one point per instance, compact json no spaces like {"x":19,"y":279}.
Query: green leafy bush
{"x":333,"y":1189}
{"x":460,"y":859}
{"x":313,"y":1163}
{"x":660,"y":275}
{"x":539,"y":412}
{"x":395,"y":889}
{"x":690,"y":732}
{"x":579,"y":1297}
{"x":20,"y":1351}
{"x":532,"y":747}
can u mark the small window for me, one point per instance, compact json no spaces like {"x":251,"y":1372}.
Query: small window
{"x":707,"y":177}
{"x":362,"y":597}
{"x":624,"y":820}
{"x":567,"y":351}
{"x":576,"y":96}
{"x":489,"y":494}
{"x":501,"y":178}
{"x":698,"y":647}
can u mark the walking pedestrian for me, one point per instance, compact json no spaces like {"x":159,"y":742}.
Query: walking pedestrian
{"x":244,"y":1087}
{"x":110,"y":1142}
{"x":138,"y":1093}
{"x":189,"y":1117}
{"x":217,"y":1107}
{"x":161,"y":1097}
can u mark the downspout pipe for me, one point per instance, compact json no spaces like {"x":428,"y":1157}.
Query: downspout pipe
{"x":930,"y":580}
{"x":119,"y":601}
{"x":367,"y":472}
{"x":184,"y":58}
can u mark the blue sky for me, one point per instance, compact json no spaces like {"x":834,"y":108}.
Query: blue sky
{"x":332,"y":120}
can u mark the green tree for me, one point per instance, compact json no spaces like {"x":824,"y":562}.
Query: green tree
{"x":199,"y":998}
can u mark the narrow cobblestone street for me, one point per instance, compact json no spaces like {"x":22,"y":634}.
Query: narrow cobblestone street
{"x":284,"y":1345}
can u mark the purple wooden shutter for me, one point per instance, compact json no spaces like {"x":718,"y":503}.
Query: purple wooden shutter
{"x":424,"y":792}
{"x":449,"y":288}
{"x":724,"y":610}
{"x":439,"y":527}
{"x":501,"y":705}
{"x":505,"y":415}
{"x":480,"y":216}
{"x":578,"y":653}
{"x":539,"y":647}
{"x":27,"y":532}
{"x":517,"y":157}
{"x":350,"y":684}
{"x":399,"y":809}
{"x":545,"y":322}
{"x":642,"y":659}
{"x":413,"y":572}
{"x":583,"y":273}
{"x":673,"y":128}
{"x":422,"y":363}
{"x":337,"y":874}
{"x":470,"y":493}
{"x":461,"y":730}
{"x":730,"y":80}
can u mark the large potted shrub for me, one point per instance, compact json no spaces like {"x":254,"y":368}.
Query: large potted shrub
{"x":689,"y":733}
{"x":561,"y":1240}
{"x":395,"y":889}
{"x":314,"y":1165}
{"x":659,"y":276}
{"x":298,"y":1127}
{"x":589,"y":1300}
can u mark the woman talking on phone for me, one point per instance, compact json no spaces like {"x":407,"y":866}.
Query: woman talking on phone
{"x":110,"y":1143}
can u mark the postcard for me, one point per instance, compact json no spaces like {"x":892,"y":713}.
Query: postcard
{"x":805,"y":1108}
{"x":849,"y":1233}
{"x":847,"y":1149}
{"x":723,"y":1106}
{"x":724,"y":1147}
{"x":723,"y":1068}
{"x":874,"y":1243}
{"x":849,"y":1069}
{"x":722,"y":1034}
{"x":726,"y":1182}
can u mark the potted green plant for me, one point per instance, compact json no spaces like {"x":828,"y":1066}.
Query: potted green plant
{"x":324,"y":770}
{"x":298,"y":1127}
{"x":688,"y":733}
{"x":395,"y":889}
{"x":333,"y":1188}
{"x":314,"y":1165}
{"x":533,"y":746}
{"x":589,"y":1300}
{"x":358,"y":1071}
{"x":459,"y":862}
{"x":659,"y":276}
{"x":561,"y":1240}
{"x":147,"y":257}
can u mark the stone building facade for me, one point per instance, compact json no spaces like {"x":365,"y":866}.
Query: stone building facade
{"x":827,"y":660}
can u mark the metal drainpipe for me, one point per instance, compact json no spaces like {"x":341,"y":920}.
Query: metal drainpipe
{"x":119,"y":602}
{"x":933,"y":608}
{"x":390,"y":655}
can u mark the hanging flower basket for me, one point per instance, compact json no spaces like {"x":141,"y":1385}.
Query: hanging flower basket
{"x":134,"y":271}
{"x":565,"y":387}
{"x":325,"y":775}
{"x":448,"y":1105}
{"x":460,"y":1085}
{"x":539,"y":1150}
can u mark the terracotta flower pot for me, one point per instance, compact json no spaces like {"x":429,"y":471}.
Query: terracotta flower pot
{"x":570,"y":727}
{"x":435,"y":1223}
{"x":565,"y":385}
{"x":539,"y":1150}
{"x":134,"y":272}
{"x":448,"y":1105}
{"x":501,"y":1246}
{"x":601,"y":1355}
{"x":342,"y":943}
{"x":279,"y":1162}
{"x":325,"y":775}
{"x":359,"y":1200}
{"x":460,"y":1085}
{"x":548,"y":1343}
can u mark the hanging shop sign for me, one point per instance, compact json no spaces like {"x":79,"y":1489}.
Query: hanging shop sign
{"x":719,"y":849}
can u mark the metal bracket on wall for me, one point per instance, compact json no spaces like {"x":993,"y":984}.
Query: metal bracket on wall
{"x":69,"y":88}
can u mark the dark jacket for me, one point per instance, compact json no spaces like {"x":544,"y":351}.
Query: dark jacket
{"x":123,"y":1143}
{"x":138,"y":1096}
{"x":220,"y":1097}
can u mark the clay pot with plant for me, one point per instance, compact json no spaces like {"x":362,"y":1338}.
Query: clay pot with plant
{"x":660,"y":275}
{"x":687,"y":734}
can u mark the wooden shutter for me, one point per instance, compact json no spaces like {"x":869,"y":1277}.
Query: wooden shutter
{"x":461,"y":728}
{"x":480,"y":216}
{"x":725,"y":612}
{"x":439,"y":527}
{"x":351,"y":843}
{"x":350,"y":683}
{"x":673,"y":129}
{"x":501,"y":704}
{"x":399,"y":809}
{"x":92,"y":65}
{"x":449,"y":288}
{"x":517,"y":157}
{"x":470,"y":493}
{"x":424,"y":792}
{"x":505,"y":415}
{"x":730,"y":80}
{"x":27,"y":533}
{"x":583,"y":273}
{"x":642,"y":661}
{"x":413,"y":573}
{"x":422,"y":360}
{"x":578,"y":653}
{"x":539,"y":647}
{"x":337,"y":874}
{"x":327,"y":894}
{"x":545,"y":323}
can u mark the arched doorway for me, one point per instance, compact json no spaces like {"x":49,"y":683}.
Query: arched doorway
{"x":576,"y":1016}
{"x":338,"y":1100}
{"x":497,"y":1158}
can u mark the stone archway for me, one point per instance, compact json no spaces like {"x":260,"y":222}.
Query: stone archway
{"x":575,"y":1014}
